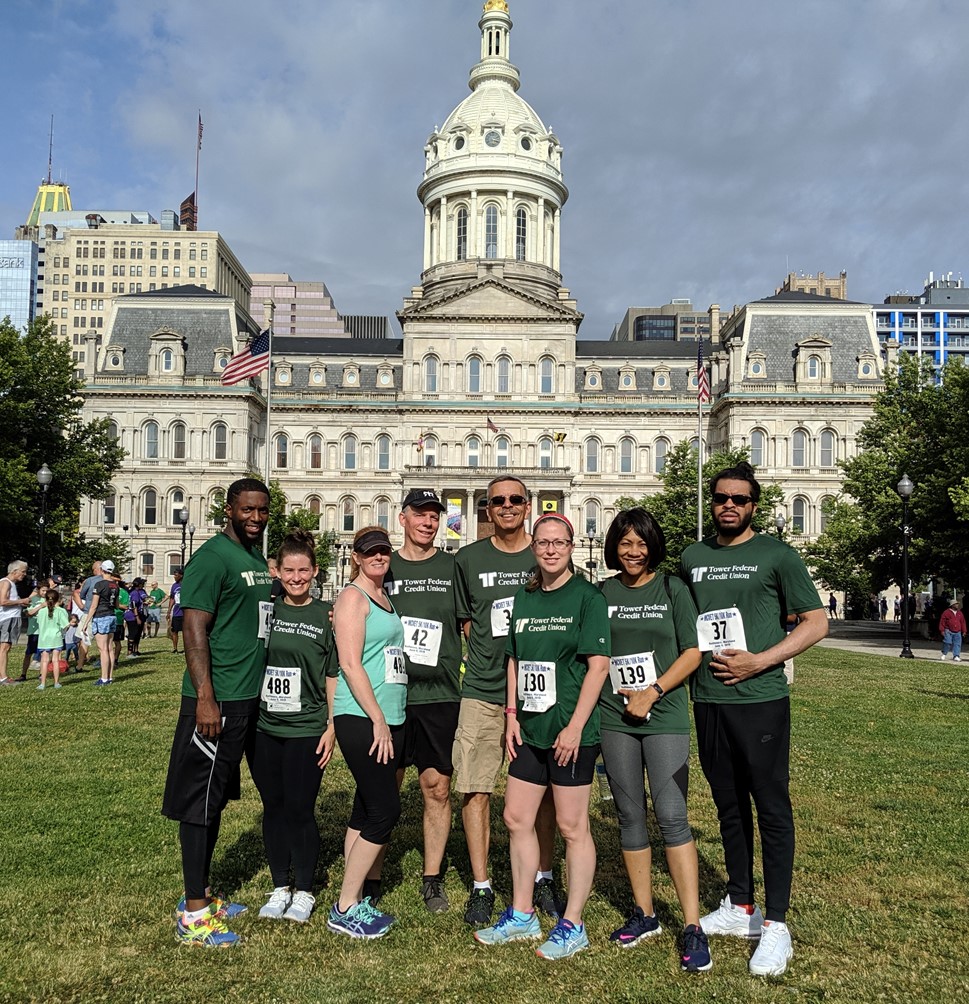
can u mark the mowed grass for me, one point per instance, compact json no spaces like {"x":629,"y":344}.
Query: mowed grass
{"x":90,"y":871}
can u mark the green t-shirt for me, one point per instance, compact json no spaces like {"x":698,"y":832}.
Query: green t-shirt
{"x":486,"y":582}
{"x":39,"y":602}
{"x":155,"y":597}
{"x":557,"y":629}
{"x":124,"y":598}
{"x":647,"y":619}
{"x":764,"y":580}
{"x":228,"y":580}
{"x":50,"y":629}
{"x":423,"y":596}
{"x":301,"y":655}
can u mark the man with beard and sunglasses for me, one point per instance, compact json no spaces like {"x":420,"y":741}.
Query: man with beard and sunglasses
{"x":745,"y":585}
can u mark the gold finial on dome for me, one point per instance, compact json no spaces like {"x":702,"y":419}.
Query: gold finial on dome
{"x":496,"y":5}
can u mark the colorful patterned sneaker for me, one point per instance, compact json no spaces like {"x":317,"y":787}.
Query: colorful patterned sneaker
{"x":638,"y":926}
{"x":225,"y":909}
{"x":695,"y":957}
{"x":509,"y":928}
{"x":733,"y":920}
{"x":774,"y":951}
{"x":545,"y":897}
{"x":480,"y":908}
{"x":277,"y":904}
{"x":432,"y":891}
{"x":362,"y":920}
{"x":301,"y":907}
{"x":209,"y":931}
{"x":565,"y":939}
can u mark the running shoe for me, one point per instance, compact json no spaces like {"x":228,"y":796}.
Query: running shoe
{"x":774,"y":951}
{"x":362,"y":920}
{"x":432,"y":891}
{"x":480,"y":908}
{"x":565,"y":939}
{"x":301,"y":907}
{"x":695,"y":957}
{"x":545,"y":897}
{"x":101,"y":683}
{"x":9,"y":681}
{"x":510,"y":928}
{"x":41,"y":686}
{"x":225,"y":909}
{"x":733,"y":920}
{"x":209,"y":931}
{"x":57,"y":686}
{"x":277,"y":904}
{"x":638,"y":926}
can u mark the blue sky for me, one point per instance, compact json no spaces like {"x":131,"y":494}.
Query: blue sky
{"x":709,"y":146}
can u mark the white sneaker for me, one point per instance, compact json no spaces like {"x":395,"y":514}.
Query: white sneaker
{"x":956,"y":658}
{"x":277,"y":904}
{"x":301,"y":908}
{"x":733,"y":920}
{"x":774,"y":951}
{"x":943,"y":656}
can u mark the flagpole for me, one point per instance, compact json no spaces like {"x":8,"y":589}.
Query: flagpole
{"x":198,"y":149}
{"x":269,"y":306}
{"x":699,"y":468}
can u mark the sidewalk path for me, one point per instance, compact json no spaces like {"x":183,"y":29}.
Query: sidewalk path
{"x":879,"y":638}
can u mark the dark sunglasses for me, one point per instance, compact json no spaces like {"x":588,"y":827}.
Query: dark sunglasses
{"x":379,"y":549}
{"x":499,"y":500}
{"x":720,"y":497}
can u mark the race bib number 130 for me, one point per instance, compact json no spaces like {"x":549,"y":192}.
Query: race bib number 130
{"x":536,"y":685}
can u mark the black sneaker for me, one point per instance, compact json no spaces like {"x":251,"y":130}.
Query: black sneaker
{"x":435,"y":898}
{"x":696,"y":951}
{"x":481,"y":906}
{"x":638,"y":926}
{"x":371,"y":890}
{"x":546,"y":898}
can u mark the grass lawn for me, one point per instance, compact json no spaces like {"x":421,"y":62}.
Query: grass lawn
{"x":90,"y":871}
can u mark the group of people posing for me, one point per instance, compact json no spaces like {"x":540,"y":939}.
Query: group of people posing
{"x":556,"y":671}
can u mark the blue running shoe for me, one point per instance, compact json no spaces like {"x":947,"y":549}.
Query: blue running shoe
{"x":638,"y":926}
{"x":209,"y":931}
{"x":565,"y":939}
{"x":362,"y":920}
{"x":696,"y":951}
{"x":509,"y":928}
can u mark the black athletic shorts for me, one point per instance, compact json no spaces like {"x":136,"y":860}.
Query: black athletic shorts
{"x":177,"y":624}
{"x":119,"y":632}
{"x":31,"y":644}
{"x":538,"y":766}
{"x":204,"y":775}
{"x":429,"y":736}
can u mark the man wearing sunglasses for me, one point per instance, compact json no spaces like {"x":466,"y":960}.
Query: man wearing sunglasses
{"x":488,"y":574}
{"x":745,"y":584}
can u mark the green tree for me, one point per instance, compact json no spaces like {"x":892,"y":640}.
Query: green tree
{"x":675,"y":506}
{"x":40,"y":422}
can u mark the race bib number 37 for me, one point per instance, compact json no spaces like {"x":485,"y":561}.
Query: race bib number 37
{"x":536,"y":685}
{"x":501,"y":616}
{"x":719,"y":629}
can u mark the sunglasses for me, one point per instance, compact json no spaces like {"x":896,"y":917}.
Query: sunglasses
{"x":379,"y":549}
{"x":719,"y":498}
{"x":500,"y":500}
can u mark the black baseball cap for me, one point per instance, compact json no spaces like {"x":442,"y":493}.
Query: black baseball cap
{"x":422,"y":498}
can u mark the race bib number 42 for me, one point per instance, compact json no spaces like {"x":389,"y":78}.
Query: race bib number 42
{"x":719,"y":629}
{"x":282,"y":689}
{"x":632,"y":672}
{"x":536,"y":685}
{"x":422,"y":640}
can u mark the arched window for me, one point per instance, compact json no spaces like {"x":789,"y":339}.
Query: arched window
{"x":178,"y":441}
{"x":113,"y":430}
{"x":491,"y":231}
{"x":350,"y":453}
{"x":474,"y":451}
{"x":110,"y":507}
{"x":382,"y":513}
{"x":149,"y":512}
{"x":592,"y":456}
{"x":504,"y":375}
{"x":502,"y":451}
{"x":799,"y":448}
{"x":383,"y":453}
{"x":592,"y":518}
{"x":167,"y":360}
{"x":220,"y":442}
{"x":546,"y":375}
{"x":430,"y":375}
{"x":151,"y":441}
{"x":178,"y":500}
{"x":282,"y":451}
{"x":824,"y":512}
{"x":814,"y":367}
{"x":799,"y":515}
{"x":430,"y":451}
{"x":462,"y":234}
{"x":174,"y":562}
{"x":545,"y":452}
{"x":660,"y":448}
{"x":828,"y":452}
{"x":348,"y":515}
{"x":316,"y":452}
{"x":694,"y":444}
{"x":758,"y":444}
{"x":521,"y":234}
{"x":627,"y":456}
{"x":474,"y":375}
{"x":214,"y":513}
{"x":147,"y":563}
{"x":314,"y":505}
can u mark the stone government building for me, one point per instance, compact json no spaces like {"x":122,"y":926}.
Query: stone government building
{"x":490,"y":374}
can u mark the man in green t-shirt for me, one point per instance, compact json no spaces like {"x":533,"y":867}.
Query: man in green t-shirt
{"x":745,"y":585}
{"x":156,"y":597}
{"x":488,"y":574}
{"x":225,"y":599}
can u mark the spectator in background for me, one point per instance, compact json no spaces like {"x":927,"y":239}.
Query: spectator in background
{"x":11,"y":607}
{"x":155,"y":599}
{"x":52,"y":622}
{"x":952,"y":626}
{"x":175,"y":610}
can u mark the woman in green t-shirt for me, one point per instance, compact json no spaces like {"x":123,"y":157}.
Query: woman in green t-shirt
{"x":558,"y":657}
{"x":646,"y":723}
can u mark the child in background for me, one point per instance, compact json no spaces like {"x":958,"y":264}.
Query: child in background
{"x":52,"y":622}
{"x":71,"y":641}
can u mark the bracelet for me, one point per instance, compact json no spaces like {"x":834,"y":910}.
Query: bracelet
{"x":659,"y":690}
{"x":511,"y":711}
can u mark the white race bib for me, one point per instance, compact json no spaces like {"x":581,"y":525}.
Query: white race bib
{"x":282,"y":689}
{"x":422,"y":640}
{"x":719,"y":629}
{"x":536,"y":685}
{"x":395,"y":669}
{"x":265,"y":619}
{"x":501,"y":617}
{"x":632,"y":672}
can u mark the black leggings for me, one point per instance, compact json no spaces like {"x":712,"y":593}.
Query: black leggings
{"x":198,"y":845}
{"x":376,"y":805}
{"x":288,"y":779}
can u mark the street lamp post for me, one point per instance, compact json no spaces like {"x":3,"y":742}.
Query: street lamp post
{"x":780,"y":522}
{"x":905,"y":489}
{"x":44,"y":478}
{"x":191,"y":540}
{"x":591,"y":563}
{"x":183,"y":519}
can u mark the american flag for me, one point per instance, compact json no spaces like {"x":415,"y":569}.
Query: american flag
{"x":702,"y":380}
{"x":491,"y":426}
{"x":253,"y":359}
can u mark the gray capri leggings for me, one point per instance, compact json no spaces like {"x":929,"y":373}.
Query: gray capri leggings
{"x":666,"y":759}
